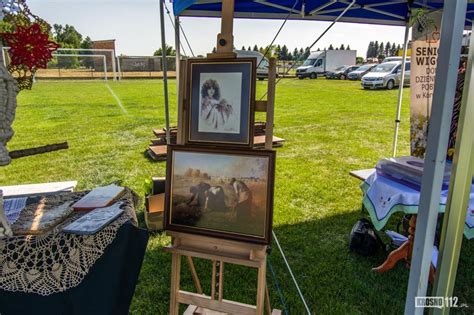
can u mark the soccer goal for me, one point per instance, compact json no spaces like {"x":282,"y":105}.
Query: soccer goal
{"x":70,"y":63}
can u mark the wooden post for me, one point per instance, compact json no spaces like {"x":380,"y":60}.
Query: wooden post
{"x":221,"y":281}
{"x":175,"y":280}
{"x":267,"y":300}
{"x":261,"y":284}
{"x":225,"y":39}
{"x":181,"y":102}
{"x":213,"y":280}
{"x":270,"y":104}
{"x":194,"y":275}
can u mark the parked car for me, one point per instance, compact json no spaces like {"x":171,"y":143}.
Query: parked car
{"x":386,"y":75}
{"x":320,"y":62}
{"x":393,"y":58}
{"x":341,"y":72}
{"x":361,"y":71}
{"x":262,"y":69}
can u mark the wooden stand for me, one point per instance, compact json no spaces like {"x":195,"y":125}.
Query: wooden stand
{"x":225,"y":39}
{"x":217,"y":250}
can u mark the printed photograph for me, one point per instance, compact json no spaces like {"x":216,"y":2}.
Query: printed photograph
{"x":220,"y":102}
{"x":222,"y":193}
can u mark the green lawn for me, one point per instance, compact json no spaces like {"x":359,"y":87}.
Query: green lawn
{"x":331,"y":127}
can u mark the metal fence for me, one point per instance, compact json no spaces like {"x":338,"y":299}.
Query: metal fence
{"x":68,"y":63}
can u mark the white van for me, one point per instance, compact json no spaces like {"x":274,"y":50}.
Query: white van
{"x":262,"y":62}
{"x":322,"y":61}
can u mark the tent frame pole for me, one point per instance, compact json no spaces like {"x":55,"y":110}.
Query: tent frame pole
{"x":460,"y":188}
{"x":452,"y":26}
{"x":165,"y":71}
{"x":400,"y":90}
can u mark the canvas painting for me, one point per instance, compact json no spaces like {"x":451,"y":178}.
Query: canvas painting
{"x":221,"y":193}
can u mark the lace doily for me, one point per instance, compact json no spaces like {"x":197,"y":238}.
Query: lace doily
{"x":56,"y":261}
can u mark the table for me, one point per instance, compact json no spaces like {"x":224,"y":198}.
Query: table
{"x":383,"y":197}
{"x":107,"y":287}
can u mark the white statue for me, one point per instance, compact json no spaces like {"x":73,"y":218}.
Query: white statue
{"x":8,"y":92}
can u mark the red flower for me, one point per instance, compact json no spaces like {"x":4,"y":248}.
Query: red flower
{"x":30,"y":47}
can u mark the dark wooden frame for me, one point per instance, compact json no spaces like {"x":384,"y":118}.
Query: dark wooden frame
{"x":270,"y":154}
{"x":226,"y":138}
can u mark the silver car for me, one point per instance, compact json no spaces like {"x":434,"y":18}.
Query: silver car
{"x":360,"y":72}
{"x":386,"y":75}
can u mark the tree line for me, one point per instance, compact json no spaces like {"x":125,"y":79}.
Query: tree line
{"x":380,"y":51}
{"x":68,"y":37}
{"x":276,"y":51}
{"x":283,"y":53}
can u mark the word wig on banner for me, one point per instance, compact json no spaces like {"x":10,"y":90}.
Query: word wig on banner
{"x":424,"y":54}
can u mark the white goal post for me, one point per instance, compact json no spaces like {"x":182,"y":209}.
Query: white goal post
{"x":101,"y":54}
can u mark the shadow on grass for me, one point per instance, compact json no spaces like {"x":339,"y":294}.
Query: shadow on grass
{"x":332,"y":279}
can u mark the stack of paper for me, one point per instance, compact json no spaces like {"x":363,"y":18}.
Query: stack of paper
{"x":408,"y":170}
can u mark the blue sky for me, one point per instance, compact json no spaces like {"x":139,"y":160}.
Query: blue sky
{"x":135,"y":26}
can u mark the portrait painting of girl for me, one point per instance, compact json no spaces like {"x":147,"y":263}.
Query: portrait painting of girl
{"x":220,"y":104}
{"x":220,"y":101}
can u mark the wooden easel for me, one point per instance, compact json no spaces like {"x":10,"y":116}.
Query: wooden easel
{"x":217,"y":250}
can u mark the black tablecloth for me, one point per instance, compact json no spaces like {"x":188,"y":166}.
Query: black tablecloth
{"x":107,"y":289}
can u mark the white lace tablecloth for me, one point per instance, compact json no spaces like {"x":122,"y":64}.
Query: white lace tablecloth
{"x":56,"y":261}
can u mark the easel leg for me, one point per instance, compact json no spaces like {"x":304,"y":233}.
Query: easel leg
{"x":196,"y":281}
{"x":262,"y":272}
{"x":175,"y":279}
{"x":267,"y":300}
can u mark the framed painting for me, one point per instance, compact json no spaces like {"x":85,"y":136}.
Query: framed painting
{"x":220,"y":101}
{"x":221,"y":192}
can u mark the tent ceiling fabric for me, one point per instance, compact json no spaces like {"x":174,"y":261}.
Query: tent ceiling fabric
{"x":392,"y":12}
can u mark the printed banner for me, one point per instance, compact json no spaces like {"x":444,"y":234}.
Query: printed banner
{"x":424,"y":56}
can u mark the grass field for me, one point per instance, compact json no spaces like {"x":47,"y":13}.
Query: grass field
{"x":331,"y":127}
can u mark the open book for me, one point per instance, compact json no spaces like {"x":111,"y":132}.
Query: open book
{"x":94,"y":221}
{"x":99,"y":197}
